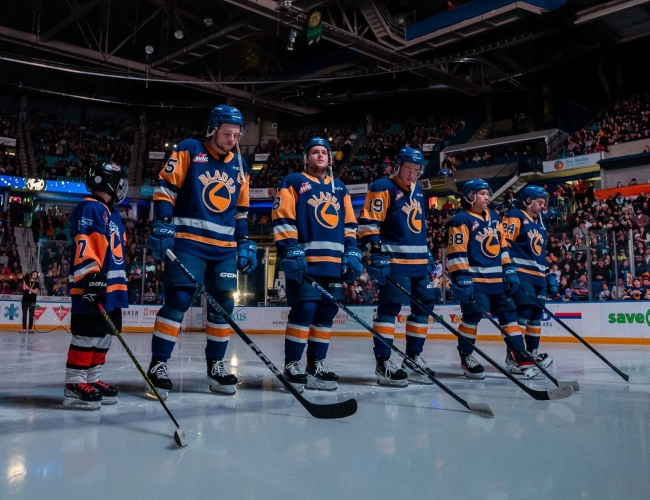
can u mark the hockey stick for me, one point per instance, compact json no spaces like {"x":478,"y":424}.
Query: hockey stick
{"x":573,"y":383}
{"x":558,"y":393}
{"x":335,"y":410}
{"x":633,"y":379}
{"x":179,"y":434}
{"x":478,"y":408}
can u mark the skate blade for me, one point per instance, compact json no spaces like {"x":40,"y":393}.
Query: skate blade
{"x":108,"y":401}
{"x":150,"y":394}
{"x":386,"y":382}
{"x":227,"y":390}
{"x":415,"y":378}
{"x":76,"y":404}
{"x":315,"y":384}
{"x":531,"y":373}
{"x":475,"y":376}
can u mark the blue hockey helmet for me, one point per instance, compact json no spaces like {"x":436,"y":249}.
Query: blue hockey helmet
{"x":224,"y":114}
{"x":317,"y":141}
{"x":532,"y":192}
{"x":473,"y":187}
{"x":411,"y":155}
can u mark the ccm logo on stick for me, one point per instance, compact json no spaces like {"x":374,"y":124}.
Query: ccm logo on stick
{"x":228,"y":275}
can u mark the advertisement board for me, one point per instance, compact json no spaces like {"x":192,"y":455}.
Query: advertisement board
{"x":357,"y":188}
{"x":261,"y":193}
{"x":156,"y":155}
{"x":572,"y":162}
{"x":7,"y":141}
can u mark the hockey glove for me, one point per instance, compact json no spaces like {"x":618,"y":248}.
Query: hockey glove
{"x":294,"y":263}
{"x":552,"y":284}
{"x":431,"y":264}
{"x":463,"y":289}
{"x":378,"y":267}
{"x":161,"y":238}
{"x":510,"y":280}
{"x":351,"y":266}
{"x":94,"y":290}
{"x":246,"y":256}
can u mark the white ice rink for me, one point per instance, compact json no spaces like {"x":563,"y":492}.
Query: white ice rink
{"x":404,"y":444}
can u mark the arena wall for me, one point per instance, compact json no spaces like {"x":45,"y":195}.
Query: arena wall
{"x":625,"y":322}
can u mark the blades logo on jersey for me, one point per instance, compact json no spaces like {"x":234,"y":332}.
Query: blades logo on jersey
{"x":412,"y":211}
{"x":536,"y":241}
{"x":326,"y":209}
{"x":218,"y":190}
{"x":489,"y":240}
{"x":116,"y":243}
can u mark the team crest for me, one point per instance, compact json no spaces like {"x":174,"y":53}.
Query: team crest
{"x":326,"y":209}
{"x":489,"y":240}
{"x":536,"y":241}
{"x":218,"y":190}
{"x":304,"y":187}
{"x":412,"y":211}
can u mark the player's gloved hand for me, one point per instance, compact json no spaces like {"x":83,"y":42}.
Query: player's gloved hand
{"x":161,"y":238}
{"x":351,"y":266}
{"x":246,"y":256}
{"x":94,"y":290}
{"x":431,"y":264}
{"x":510,"y":279}
{"x":294,"y":263}
{"x":552,"y":284}
{"x":463,"y":289}
{"x":378,"y":267}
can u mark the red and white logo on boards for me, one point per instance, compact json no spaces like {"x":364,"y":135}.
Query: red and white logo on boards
{"x":200,"y":158}
{"x":61,"y":312}
{"x":38,"y":312}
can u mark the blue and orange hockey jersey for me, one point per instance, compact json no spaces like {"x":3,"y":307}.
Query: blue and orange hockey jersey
{"x":392,"y":216}
{"x":206,"y":199}
{"x":526,"y":239}
{"x":475,"y":249}
{"x":98,"y":240}
{"x":307,"y":213}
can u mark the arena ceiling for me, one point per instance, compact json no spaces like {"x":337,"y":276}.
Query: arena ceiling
{"x":238,"y":48}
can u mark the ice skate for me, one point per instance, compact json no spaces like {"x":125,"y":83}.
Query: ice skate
{"x":319,"y":377}
{"x":220,"y":381}
{"x":472,"y":368}
{"x":109,"y":393}
{"x":388,"y":374}
{"x":526,"y":367}
{"x":295,"y":374}
{"x":158,"y":376}
{"x":543,"y":359}
{"x":81,"y":397}
{"x":415,"y":377}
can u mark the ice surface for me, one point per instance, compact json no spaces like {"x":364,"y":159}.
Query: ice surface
{"x":261,"y":444}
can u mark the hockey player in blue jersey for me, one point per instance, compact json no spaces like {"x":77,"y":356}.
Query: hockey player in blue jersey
{"x":97,"y":276}
{"x":482,"y":271}
{"x":315,"y":231}
{"x":525,"y":236}
{"x":201,"y":204}
{"x":392,"y":227}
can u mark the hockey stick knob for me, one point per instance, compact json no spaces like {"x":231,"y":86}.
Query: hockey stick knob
{"x":180,"y":438}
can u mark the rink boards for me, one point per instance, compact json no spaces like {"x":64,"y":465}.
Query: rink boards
{"x":605,"y":322}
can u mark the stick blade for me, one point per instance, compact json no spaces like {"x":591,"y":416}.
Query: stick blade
{"x":573,"y":383}
{"x":180,"y":438}
{"x":481,"y":409}
{"x":638,"y":379}
{"x":561,"y":392}
{"x":334,"y":410}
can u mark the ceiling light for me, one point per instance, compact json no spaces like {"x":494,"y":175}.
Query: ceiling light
{"x":149,"y":50}
{"x":208,"y":21}
{"x":178,"y":34}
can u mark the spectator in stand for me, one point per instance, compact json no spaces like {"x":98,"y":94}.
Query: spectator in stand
{"x":636,"y":291}
{"x":618,"y":291}
{"x":579,"y":289}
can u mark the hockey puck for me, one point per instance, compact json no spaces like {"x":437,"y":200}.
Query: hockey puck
{"x":180,"y":438}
